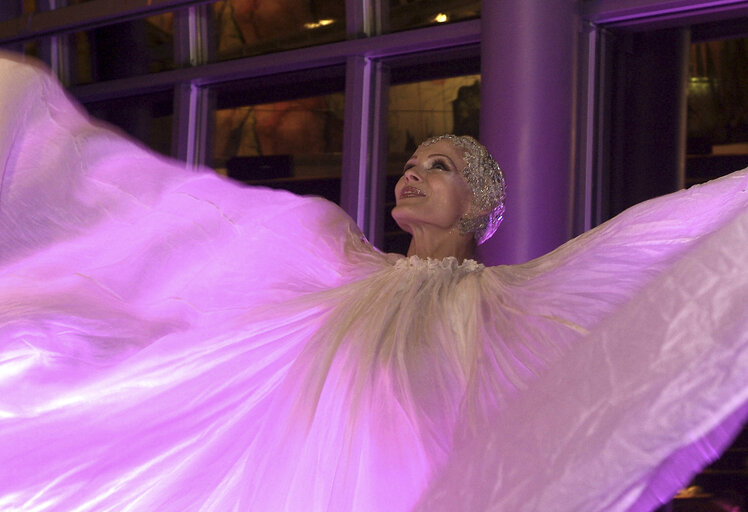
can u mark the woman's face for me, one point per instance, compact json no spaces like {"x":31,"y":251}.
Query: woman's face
{"x":432,"y":189}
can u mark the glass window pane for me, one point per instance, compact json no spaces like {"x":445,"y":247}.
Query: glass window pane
{"x":418,"y":111}
{"x":131,"y":48}
{"x":295,"y":144}
{"x":32,"y":48}
{"x":252,"y":27}
{"x":406,"y":14}
{"x":717,"y":123}
{"x":148,"y":118}
{"x":16,"y":10}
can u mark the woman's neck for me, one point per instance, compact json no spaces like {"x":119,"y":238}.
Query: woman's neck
{"x":440,"y":244}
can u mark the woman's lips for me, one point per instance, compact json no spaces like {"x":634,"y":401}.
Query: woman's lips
{"x":410,"y":192}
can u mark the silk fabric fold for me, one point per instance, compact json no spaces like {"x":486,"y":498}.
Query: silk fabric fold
{"x":172,"y":340}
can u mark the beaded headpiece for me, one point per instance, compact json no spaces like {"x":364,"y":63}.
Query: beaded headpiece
{"x":486,"y":181}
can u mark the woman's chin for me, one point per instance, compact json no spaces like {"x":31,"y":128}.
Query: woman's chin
{"x":403,"y":217}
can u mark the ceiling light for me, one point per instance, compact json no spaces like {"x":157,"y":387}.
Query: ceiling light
{"x":319,"y":23}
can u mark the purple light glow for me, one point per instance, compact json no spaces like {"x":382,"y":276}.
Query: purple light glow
{"x":173,"y":341}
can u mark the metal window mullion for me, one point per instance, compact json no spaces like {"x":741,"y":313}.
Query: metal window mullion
{"x":364,"y":144}
{"x":58,"y":50}
{"x":583,"y":189}
{"x":191,"y":36}
{"x":191,"y":126}
{"x":191,"y":122}
{"x":594,"y":127}
{"x":593,"y":110}
{"x":364,"y":139}
{"x":380,"y":82}
{"x":47,"y":46}
{"x":366,"y":18}
{"x":601,"y":128}
{"x":61,"y":57}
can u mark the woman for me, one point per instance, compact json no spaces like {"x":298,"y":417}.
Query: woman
{"x":451,"y":195}
{"x":172,"y":341}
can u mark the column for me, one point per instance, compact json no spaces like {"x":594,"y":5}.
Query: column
{"x":528,"y":58}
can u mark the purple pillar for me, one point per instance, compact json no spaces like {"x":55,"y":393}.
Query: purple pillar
{"x":528,"y":58}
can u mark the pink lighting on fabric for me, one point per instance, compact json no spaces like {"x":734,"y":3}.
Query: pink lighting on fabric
{"x":171,"y":340}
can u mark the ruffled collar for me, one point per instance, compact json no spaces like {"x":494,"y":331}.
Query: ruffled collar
{"x":448,"y":263}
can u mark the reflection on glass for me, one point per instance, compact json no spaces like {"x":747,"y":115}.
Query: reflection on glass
{"x":405,"y":14}
{"x":147,"y":118}
{"x":31,"y":48}
{"x":295,"y":145}
{"x":251,"y":27}
{"x":126,"y":49}
{"x":717,"y":99}
{"x":418,"y":111}
{"x":717,"y":123}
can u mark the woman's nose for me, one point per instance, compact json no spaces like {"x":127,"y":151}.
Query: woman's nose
{"x":411,"y":174}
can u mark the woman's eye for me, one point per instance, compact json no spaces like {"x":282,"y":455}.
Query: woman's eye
{"x":439,"y":165}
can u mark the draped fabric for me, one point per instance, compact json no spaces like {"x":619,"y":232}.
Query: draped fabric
{"x":171,"y":340}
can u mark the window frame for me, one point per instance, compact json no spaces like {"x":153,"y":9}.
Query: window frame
{"x":368,"y":55}
{"x":364,"y":54}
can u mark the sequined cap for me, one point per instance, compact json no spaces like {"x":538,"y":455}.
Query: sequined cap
{"x":486,"y":180}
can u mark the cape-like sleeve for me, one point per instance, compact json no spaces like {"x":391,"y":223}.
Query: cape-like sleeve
{"x":652,"y":389}
{"x":171,"y":340}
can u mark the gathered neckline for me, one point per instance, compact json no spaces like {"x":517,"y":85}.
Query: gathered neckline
{"x":448,"y":263}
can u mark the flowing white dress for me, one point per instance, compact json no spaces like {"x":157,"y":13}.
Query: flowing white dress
{"x":172,"y":341}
